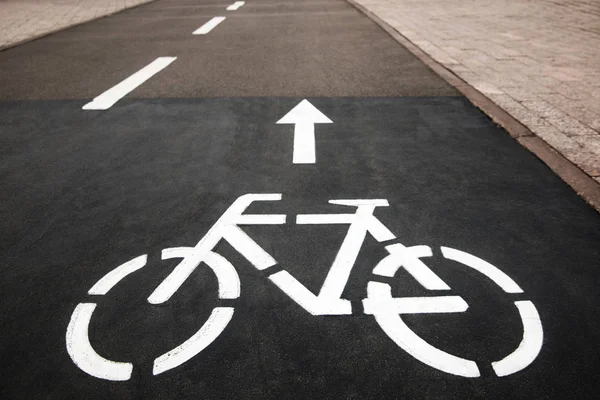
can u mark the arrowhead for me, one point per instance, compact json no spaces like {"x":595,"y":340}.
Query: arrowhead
{"x":304,"y":112}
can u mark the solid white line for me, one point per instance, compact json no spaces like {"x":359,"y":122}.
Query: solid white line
{"x":360,"y":202}
{"x":416,"y":305}
{"x":209,"y":26}
{"x":114,"y":94}
{"x":324,"y":219}
{"x":236,"y":5}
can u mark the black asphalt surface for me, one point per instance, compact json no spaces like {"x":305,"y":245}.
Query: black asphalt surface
{"x":85,"y":191}
{"x":266,"y":48}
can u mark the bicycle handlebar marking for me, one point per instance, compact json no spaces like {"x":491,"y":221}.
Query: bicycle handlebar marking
{"x":386,"y":310}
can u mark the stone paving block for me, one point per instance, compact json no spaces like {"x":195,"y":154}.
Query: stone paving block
{"x":538,"y":60}
{"x":590,"y":142}
{"x":23,"y":20}
{"x":520,"y":94}
{"x":544,"y":109}
{"x":571,"y":126}
{"x":557,"y":139}
{"x":518,"y":111}
{"x":585,"y":160}
{"x":486,"y":88}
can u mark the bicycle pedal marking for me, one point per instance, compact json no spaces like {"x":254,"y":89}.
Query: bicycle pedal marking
{"x":386,"y":310}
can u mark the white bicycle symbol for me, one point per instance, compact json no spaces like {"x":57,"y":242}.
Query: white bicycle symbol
{"x":386,"y":310}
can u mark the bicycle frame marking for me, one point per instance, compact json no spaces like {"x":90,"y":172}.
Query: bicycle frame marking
{"x":225,"y":228}
{"x":386,"y":309}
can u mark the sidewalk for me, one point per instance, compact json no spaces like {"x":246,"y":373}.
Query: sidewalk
{"x":538,"y":60}
{"x":23,"y":20}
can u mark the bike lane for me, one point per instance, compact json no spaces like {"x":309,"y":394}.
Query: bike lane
{"x":87,"y":190}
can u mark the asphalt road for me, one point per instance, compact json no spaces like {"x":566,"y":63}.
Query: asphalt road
{"x":84,"y":191}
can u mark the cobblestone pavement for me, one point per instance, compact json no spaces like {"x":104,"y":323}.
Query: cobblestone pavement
{"x":538,"y":60}
{"x":22,"y":20}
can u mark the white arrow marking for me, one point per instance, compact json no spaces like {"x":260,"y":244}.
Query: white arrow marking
{"x":304,"y":117}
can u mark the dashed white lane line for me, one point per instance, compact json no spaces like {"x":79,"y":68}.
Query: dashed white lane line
{"x":114,"y":94}
{"x":236,"y":5}
{"x":209,"y":26}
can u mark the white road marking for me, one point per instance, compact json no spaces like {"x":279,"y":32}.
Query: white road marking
{"x":409,"y":259}
{"x":114,"y":94}
{"x":387,"y":310}
{"x":212,"y":328}
{"x":530,"y":346}
{"x":344,"y":261}
{"x":324,"y":219}
{"x":231,"y":217}
{"x":304,"y":117}
{"x":209,"y":26}
{"x":360,"y":202}
{"x":227,"y":277}
{"x":393,"y":325}
{"x":113,"y":277}
{"x":83,"y":354}
{"x":416,"y":305}
{"x":382,"y":301}
{"x":261,"y":219}
{"x":236,"y":5}
{"x":360,"y":223}
{"x":487,"y":269}
{"x":315,"y":305}
{"x":248,"y":248}
{"x":85,"y":357}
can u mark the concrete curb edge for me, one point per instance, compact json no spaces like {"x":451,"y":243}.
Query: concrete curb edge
{"x":583,"y":184}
